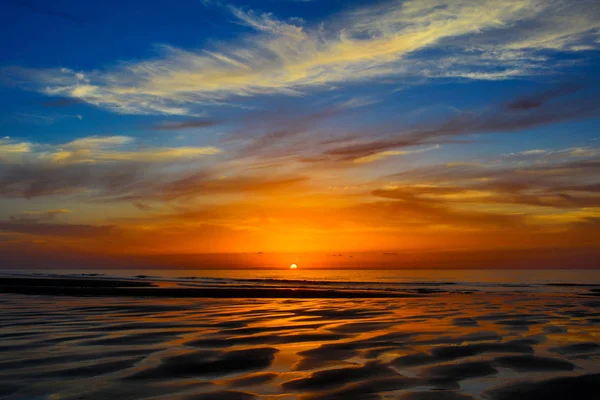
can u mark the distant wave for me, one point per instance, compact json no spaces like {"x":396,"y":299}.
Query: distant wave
{"x":316,"y":281}
{"x":384,"y":285}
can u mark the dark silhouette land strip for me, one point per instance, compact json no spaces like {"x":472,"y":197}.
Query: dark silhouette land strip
{"x":122,"y":288}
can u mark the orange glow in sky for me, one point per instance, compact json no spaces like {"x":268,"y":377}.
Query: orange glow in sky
{"x":399,"y":134}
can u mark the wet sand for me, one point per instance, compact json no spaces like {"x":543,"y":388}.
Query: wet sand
{"x":443,"y":346}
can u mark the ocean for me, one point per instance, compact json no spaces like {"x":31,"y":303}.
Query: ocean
{"x":534,"y":280}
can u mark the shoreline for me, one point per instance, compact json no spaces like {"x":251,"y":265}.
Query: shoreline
{"x":123,"y":288}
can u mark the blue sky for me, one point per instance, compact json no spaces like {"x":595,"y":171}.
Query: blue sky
{"x":148,"y":113}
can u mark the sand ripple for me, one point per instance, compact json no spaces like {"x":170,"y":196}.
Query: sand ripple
{"x":455,"y":347}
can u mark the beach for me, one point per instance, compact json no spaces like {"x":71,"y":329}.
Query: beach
{"x":424,"y":346}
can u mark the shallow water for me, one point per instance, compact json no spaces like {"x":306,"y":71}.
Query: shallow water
{"x":448,"y":346}
{"x":548,"y":281}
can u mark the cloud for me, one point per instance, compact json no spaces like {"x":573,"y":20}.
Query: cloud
{"x":539,"y":99}
{"x":141,"y":206}
{"x":573,"y":152}
{"x":34,"y":118}
{"x":542,"y":180}
{"x":357,"y":102}
{"x":310,"y":138}
{"x":202,"y":184}
{"x":156,"y":154}
{"x":342,"y":222}
{"x":390,"y":153}
{"x":489,"y":195}
{"x":12,"y":151}
{"x":97,"y":149}
{"x":113,"y":168}
{"x":34,"y":179}
{"x":40,"y":120}
{"x":37,"y":216}
{"x":592,"y":188}
{"x":399,"y":39}
{"x":135,"y":182}
{"x":527,"y":153}
{"x":279,"y":132}
{"x":494,"y":119}
{"x":98,"y":142}
{"x":191,"y":123}
{"x":267,"y":22}
{"x":489,"y":202}
{"x":427,"y":213}
{"x":63,"y":102}
{"x":97,"y":166}
{"x":53,"y":230}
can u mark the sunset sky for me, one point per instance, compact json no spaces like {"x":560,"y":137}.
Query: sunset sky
{"x":331,"y":133}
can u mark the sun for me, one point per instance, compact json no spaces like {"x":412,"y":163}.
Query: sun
{"x":293,"y":266}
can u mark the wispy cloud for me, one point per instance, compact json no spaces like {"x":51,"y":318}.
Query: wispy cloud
{"x":398,"y":39}
{"x":187,"y":124}
{"x":60,"y":230}
{"x":101,"y":166}
{"x":560,"y":106}
{"x":538,"y":100}
{"x":390,"y":153}
{"x":38,"y":216}
{"x":39,"y":119}
{"x":116,"y":168}
{"x":66,"y":102}
{"x":541,"y":180}
{"x":96,"y":149}
{"x":573,"y":152}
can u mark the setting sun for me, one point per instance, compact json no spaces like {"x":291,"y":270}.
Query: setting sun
{"x":293,"y":266}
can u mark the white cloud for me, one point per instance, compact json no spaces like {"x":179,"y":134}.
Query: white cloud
{"x":526,"y":153}
{"x":545,"y":155}
{"x":266,"y":22}
{"x":357,"y":102}
{"x":489,"y":40}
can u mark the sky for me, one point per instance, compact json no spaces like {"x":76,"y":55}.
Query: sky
{"x":331,"y":133}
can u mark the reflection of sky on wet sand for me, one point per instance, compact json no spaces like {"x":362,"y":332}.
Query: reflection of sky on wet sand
{"x":444,"y":347}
